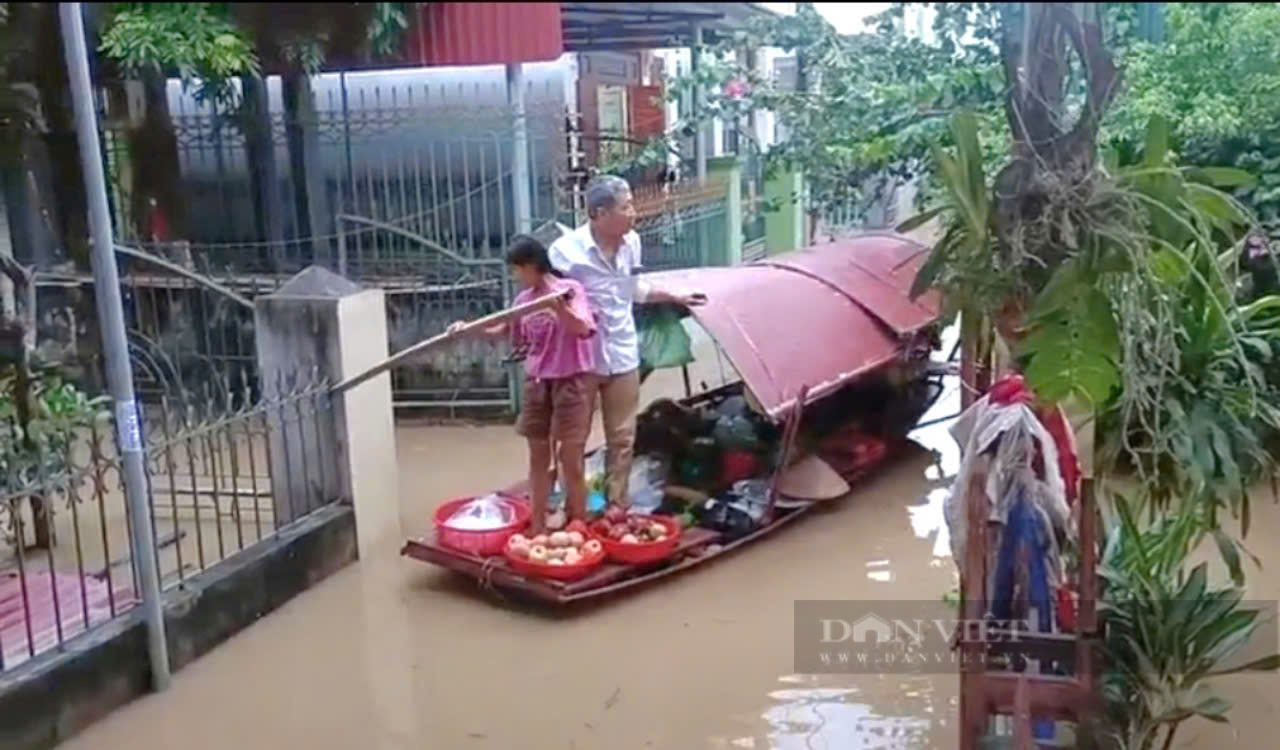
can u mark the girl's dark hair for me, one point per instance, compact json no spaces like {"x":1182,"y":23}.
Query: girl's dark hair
{"x":527,"y":251}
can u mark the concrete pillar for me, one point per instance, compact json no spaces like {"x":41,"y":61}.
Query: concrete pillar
{"x":321,"y":323}
{"x":784,"y":219}
{"x":728,"y":169}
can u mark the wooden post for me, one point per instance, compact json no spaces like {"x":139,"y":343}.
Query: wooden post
{"x":789,"y":434}
{"x":973,"y":594}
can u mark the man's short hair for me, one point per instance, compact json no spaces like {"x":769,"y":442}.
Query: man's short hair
{"x":605,"y":192}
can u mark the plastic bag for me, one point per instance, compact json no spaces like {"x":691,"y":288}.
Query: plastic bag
{"x":751,"y":496}
{"x":731,"y":522}
{"x":594,"y":470}
{"x":483,"y":514}
{"x":735,"y":432}
{"x":648,"y":482}
{"x":663,"y":340}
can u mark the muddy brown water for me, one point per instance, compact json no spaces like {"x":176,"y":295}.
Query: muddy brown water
{"x":392,"y":653}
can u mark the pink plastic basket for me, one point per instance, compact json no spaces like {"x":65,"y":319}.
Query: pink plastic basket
{"x":482,"y":543}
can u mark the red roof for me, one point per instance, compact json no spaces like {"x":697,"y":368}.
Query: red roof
{"x":484,"y":33}
{"x":820,"y":318}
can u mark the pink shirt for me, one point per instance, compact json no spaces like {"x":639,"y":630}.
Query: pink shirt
{"x":553,"y":351}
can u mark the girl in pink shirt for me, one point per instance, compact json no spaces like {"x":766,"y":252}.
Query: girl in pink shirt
{"x":559,"y":362}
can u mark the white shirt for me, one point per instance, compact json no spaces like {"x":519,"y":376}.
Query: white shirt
{"x":612,"y":290}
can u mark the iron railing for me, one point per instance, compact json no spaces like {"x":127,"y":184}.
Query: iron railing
{"x":753,"y":206}
{"x":444,"y":174}
{"x":65,"y":561}
{"x":683,"y":225}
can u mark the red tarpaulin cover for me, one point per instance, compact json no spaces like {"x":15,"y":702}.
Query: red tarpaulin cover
{"x":484,"y":33}
{"x":818,"y":318}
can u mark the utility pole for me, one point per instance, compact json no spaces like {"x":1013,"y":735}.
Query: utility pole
{"x":106,"y":283}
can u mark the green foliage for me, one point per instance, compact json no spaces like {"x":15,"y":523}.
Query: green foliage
{"x":1168,"y":629}
{"x":37,"y":451}
{"x":386,"y":28}
{"x":197,"y":40}
{"x":208,"y":48}
{"x":868,"y":105}
{"x":1138,"y":316}
{"x":1216,"y":80}
{"x":1073,"y":347}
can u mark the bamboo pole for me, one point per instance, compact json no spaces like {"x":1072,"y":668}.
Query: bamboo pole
{"x":493,"y":319}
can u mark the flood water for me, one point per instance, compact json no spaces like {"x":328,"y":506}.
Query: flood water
{"x":393,"y":653}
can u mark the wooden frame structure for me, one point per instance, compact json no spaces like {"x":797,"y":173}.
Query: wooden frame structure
{"x":987,"y":692}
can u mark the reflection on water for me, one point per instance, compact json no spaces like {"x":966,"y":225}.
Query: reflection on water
{"x":928,"y":519}
{"x":878,"y":571}
{"x":816,"y":716}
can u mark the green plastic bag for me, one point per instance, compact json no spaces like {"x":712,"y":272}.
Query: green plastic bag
{"x":663,"y":340}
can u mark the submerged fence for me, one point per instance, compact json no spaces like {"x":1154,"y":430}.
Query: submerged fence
{"x":212,"y":488}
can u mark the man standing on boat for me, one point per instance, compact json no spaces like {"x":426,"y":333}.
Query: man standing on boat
{"x":604,"y":256}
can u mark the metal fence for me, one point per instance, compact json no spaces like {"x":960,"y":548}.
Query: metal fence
{"x":65,"y":563}
{"x":392,"y":155}
{"x":753,"y":206}
{"x":683,"y":225}
{"x":406,"y":189}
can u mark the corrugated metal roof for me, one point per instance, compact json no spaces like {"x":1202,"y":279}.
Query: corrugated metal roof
{"x":484,"y":33}
{"x":632,"y":26}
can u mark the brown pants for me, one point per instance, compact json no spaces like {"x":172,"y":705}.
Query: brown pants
{"x":619,"y":404}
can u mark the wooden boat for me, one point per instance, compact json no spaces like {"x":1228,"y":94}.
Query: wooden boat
{"x":807,"y":332}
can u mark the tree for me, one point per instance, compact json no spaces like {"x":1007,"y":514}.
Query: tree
{"x":1214,"y":79}
{"x":863,"y":107}
{"x":211,"y":47}
{"x":1110,"y":276}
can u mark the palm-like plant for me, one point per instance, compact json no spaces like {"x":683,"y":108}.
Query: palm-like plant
{"x":1168,"y":631}
{"x":1130,"y":308}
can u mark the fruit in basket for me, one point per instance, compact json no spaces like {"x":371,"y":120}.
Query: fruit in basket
{"x":657,"y":531}
{"x":572,"y":557}
{"x":576,"y":538}
{"x":616,"y":514}
{"x":559,"y":539}
{"x":538,"y":553}
{"x":577,"y":525}
{"x":519,"y":548}
{"x":592,"y":547}
{"x":555,"y":561}
{"x":519,"y":539}
{"x":539,"y":540}
{"x":629,"y":539}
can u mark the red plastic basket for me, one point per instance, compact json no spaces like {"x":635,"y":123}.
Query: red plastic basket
{"x":482,"y":543}
{"x":641,"y":554}
{"x":557,"y":572}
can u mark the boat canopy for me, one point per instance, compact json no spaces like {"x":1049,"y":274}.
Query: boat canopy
{"x":820,"y":317}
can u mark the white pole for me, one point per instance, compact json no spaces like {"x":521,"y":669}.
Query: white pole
{"x":106,"y":290}
{"x":519,"y":149}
